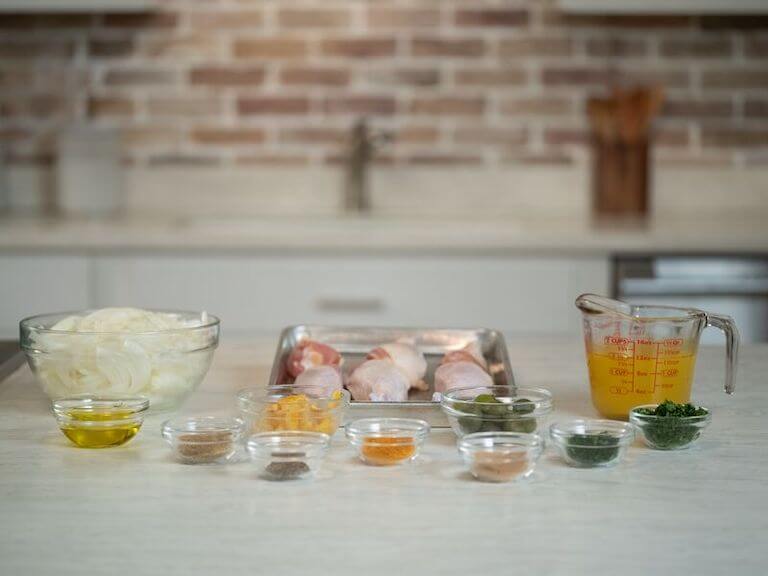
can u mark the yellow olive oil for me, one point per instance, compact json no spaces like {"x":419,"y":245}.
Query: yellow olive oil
{"x":84,"y":430}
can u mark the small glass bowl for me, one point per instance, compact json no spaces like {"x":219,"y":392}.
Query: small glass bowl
{"x":592,"y":443}
{"x":289,"y":407}
{"x":500,"y":456}
{"x":387,"y":441}
{"x":288,"y":455}
{"x":521,"y":410}
{"x":669,"y":432}
{"x":203,"y":439}
{"x":92,"y":421}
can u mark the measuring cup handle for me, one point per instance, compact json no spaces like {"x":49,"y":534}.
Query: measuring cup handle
{"x":728,"y":327}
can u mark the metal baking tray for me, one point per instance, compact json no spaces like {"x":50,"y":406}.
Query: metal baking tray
{"x":353,"y":343}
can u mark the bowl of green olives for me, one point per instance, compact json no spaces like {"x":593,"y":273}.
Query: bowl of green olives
{"x":496,"y":409}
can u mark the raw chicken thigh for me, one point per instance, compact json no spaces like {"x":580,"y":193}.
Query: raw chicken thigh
{"x":378,"y":381}
{"x":309,"y":353}
{"x":470,"y":353}
{"x":325,"y":378}
{"x":462,"y":368}
{"x":406,"y":357}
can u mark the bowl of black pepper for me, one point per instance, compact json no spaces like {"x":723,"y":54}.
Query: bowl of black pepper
{"x":288,"y":455}
{"x":588,"y":443}
{"x":669,"y":425}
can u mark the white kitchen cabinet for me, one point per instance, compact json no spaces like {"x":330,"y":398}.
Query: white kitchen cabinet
{"x":256,"y":294}
{"x":32,"y":284}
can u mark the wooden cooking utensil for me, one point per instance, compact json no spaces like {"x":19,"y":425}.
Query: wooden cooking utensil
{"x":620,"y":139}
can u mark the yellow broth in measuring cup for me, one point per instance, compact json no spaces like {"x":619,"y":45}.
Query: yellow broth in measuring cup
{"x":624,"y":373}
{"x":645,"y":354}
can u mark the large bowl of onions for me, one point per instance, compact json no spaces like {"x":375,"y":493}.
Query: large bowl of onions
{"x":157,"y":354}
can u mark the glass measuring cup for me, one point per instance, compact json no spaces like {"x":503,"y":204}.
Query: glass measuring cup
{"x":646,"y":354}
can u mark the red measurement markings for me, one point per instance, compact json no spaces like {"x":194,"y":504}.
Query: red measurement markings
{"x":619,"y":371}
{"x":634,"y":351}
{"x":672,"y":352}
{"x":656,"y":371}
{"x":616,"y":341}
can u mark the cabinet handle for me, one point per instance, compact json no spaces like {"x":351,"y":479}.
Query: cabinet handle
{"x":341,"y":304}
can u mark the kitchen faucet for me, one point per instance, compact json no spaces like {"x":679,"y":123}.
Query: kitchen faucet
{"x":362,"y":146}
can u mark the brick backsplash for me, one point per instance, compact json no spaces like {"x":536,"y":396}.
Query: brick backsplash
{"x":476,"y":82}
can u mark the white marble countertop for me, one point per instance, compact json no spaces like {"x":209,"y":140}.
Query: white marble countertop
{"x":132,"y":510}
{"x":728,"y":233}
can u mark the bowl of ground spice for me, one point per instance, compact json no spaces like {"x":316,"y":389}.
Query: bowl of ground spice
{"x":288,"y":455}
{"x":387,"y":441}
{"x":203,"y":439}
{"x":592,"y":443}
{"x":670,"y":426}
{"x":500,"y":456}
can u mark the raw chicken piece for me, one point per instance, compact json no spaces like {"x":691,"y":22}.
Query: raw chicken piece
{"x":378,"y":381}
{"x":325,"y":378}
{"x":470,"y":353}
{"x":462,"y":368}
{"x":406,"y":357}
{"x":309,"y":353}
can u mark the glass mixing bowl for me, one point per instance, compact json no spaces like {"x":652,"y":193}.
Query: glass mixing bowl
{"x":500,"y":456}
{"x":387,"y":441}
{"x":496,"y":409}
{"x":164,"y":366}
{"x":588,"y":443}
{"x":288,"y":455}
{"x":290,"y":407}
{"x":668,"y":432}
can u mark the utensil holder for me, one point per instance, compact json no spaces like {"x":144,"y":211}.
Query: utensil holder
{"x":620,"y":177}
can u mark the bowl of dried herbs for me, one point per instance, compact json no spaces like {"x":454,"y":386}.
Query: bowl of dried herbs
{"x":592,"y":443}
{"x":669,"y":425}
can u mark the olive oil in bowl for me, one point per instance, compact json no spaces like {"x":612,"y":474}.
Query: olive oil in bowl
{"x":100,"y":422}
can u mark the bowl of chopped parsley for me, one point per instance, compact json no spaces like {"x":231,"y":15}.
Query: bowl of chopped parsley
{"x":669,"y":425}
{"x":592,"y":443}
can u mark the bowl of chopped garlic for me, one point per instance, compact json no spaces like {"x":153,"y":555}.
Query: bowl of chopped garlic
{"x":387,"y":441}
{"x":159,"y":355}
{"x":292,"y":408}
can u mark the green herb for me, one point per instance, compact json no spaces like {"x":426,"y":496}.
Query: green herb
{"x":670,"y":428}
{"x":673,"y":409}
{"x":592,"y":449}
{"x":486,"y":413}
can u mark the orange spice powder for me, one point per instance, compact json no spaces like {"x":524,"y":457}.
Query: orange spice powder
{"x":386,"y":450}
